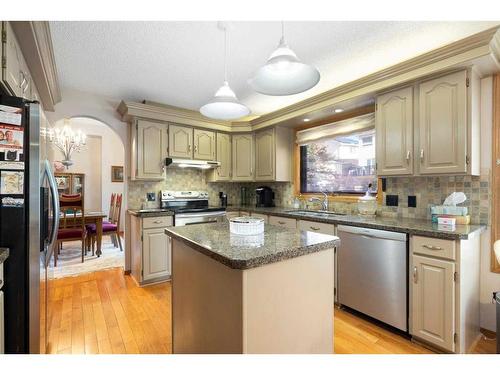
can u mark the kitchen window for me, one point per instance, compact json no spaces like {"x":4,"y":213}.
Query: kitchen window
{"x":338,"y":158}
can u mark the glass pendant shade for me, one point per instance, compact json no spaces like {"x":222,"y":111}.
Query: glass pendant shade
{"x":284,"y":74}
{"x":224,"y":105}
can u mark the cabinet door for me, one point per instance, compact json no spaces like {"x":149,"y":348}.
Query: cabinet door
{"x":204,"y":144}
{"x":265,"y":155}
{"x":433,"y":309}
{"x":223,"y":173}
{"x":394,"y":133}
{"x":243,"y":157}
{"x":152,"y":139}
{"x":283,"y":222}
{"x":156,"y":253}
{"x":443,"y":124}
{"x":180,"y":142}
{"x":11,"y":71}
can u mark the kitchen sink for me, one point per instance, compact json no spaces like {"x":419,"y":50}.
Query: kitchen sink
{"x":315,"y":213}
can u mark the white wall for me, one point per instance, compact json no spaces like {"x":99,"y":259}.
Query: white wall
{"x":490,"y":281}
{"x":96,"y":162}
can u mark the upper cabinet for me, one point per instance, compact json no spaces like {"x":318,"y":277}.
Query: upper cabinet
{"x":243,"y":157}
{"x":204,"y":144}
{"x":273,"y":146}
{"x":180,"y":142}
{"x":149,"y":150}
{"x":224,"y":156}
{"x":443,"y":125}
{"x":394,"y":132}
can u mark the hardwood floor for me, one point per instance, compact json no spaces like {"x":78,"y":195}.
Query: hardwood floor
{"x":106,"y":312}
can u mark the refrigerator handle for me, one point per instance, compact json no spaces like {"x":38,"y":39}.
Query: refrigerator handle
{"x":55,"y":202}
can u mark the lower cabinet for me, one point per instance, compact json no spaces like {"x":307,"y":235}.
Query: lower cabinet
{"x":261,"y":216}
{"x":312,"y":226}
{"x":434,"y":301}
{"x":283,"y":222}
{"x":150,"y":249}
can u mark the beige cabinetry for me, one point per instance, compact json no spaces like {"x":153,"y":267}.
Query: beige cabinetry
{"x":394,"y":132}
{"x":443,"y":124}
{"x":224,"y":156}
{"x":180,"y":142}
{"x":444,"y":292}
{"x":243,"y":157}
{"x":149,"y":150}
{"x":204,"y":144}
{"x":260,"y":216}
{"x":273,"y":146}
{"x":283,"y":222}
{"x":311,"y":226}
{"x":150,"y":249}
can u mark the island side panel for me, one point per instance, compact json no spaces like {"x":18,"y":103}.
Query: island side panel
{"x":288,"y":306}
{"x":206,"y":303}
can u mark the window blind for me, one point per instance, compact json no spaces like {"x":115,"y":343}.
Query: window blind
{"x":344,"y":127}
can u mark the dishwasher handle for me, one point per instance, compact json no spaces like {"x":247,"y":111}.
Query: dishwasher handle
{"x":372,"y":233}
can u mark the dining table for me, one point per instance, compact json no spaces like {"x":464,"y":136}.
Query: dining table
{"x":95,"y":217}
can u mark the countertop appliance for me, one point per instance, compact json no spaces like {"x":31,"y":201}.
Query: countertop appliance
{"x":191,"y":207}
{"x":264,"y":196}
{"x":373,"y":274}
{"x":29,"y":218}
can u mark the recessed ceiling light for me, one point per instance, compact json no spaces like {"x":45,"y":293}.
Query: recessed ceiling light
{"x":306,"y":120}
{"x":338,"y":110}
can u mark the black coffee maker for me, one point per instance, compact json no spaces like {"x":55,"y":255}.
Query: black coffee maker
{"x":264,"y":197}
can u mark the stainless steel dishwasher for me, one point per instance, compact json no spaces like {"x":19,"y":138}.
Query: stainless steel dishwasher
{"x":373,"y":274}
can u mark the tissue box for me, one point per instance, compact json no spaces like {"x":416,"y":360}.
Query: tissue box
{"x":460,"y":220}
{"x":449,"y":210}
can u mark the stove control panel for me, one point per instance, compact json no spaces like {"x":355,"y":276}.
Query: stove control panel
{"x":183,"y":195}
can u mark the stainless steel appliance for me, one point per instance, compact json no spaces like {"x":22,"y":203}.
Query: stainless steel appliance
{"x":28,"y":226}
{"x":191,"y":207}
{"x":264,"y":196}
{"x":373,"y":274}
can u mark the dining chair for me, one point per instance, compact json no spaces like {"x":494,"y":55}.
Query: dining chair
{"x":111,"y":228}
{"x":72,"y":223}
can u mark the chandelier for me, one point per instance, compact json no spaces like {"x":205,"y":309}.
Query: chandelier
{"x":67,"y":141}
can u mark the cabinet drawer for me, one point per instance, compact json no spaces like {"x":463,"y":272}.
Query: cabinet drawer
{"x":261,"y":216}
{"x":157,"y":222}
{"x":312,"y":226}
{"x":283,"y":222}
{"x":434,"y":247}
{"x":244,"y":213}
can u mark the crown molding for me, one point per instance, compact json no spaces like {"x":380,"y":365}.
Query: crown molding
{"x":35,"y":41}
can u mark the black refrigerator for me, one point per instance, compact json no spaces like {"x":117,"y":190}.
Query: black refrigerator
{"x":29,"y":216}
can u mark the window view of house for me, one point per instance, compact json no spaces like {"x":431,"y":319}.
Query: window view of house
{"x":345,"y":164}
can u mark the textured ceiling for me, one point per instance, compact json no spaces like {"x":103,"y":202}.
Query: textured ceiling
{"x":181,"y":63}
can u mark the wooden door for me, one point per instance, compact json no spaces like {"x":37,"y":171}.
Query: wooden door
{"x":223,"y":173}
{"x":394,"y":133}
{"x":265,"y":153}
{"x":152,"y":141}
{"x":204,"y":144}
{"x":180,"y":142}
{"x":433,"y":302}
{"x":156,"y":253}
{"x":243,"y":157}
{"x":11,"y":71}
{"x":443,"y":124}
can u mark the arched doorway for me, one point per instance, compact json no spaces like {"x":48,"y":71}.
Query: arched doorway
{"x":99,"y":169}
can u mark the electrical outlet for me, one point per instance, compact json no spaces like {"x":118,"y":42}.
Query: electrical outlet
{"x":151,"y":197}
{"x":391,"y":200}
{"x":412,"y":201}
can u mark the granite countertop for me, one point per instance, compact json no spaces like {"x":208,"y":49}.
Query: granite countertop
{"x":244,"y":252}
{"x":4,"y":254}
{"x":150,"y":212}
{"x":411,"y":226}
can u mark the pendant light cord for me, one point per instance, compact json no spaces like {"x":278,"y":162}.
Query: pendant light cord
{"x":282,"y":31}
{"x":225,"y":53}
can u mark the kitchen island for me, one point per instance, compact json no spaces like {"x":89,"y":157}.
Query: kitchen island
{"x":271,"y":293}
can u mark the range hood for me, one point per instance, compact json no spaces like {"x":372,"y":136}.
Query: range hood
{"x":189,"y":163}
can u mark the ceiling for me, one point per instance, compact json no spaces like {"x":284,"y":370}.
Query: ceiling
{"x":181,"y":63}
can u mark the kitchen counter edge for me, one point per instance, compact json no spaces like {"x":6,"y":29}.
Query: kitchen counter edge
{"x":4,"y":254}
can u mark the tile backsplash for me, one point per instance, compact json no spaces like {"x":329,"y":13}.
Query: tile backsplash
{"x":427,"y":190}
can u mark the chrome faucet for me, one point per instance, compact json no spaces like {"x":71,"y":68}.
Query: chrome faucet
{"x":324,"y":202}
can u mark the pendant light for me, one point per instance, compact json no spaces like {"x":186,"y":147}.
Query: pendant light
{"x":224,"y":105}
{"x":283,"y":73}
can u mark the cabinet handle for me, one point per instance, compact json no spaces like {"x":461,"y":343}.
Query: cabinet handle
{"x":422,"y":154}
{"x":415,"y":275}
{"x":314,"y":228}
{"x":431,"y":247}
{"x":157,"y":221}
{"x":189,"y":147}
{"x":195,"y":148}
{"x":408,"y":155}
{"x":281,"y":222}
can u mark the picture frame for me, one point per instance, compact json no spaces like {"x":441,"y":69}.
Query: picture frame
{"x":116,"y":173}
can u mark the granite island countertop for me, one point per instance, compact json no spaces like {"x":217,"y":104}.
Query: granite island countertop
{"x":419,"y":227}
{"x":150,"y":212}
{"x":4,"y":254}
{"x":243,"y":252}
